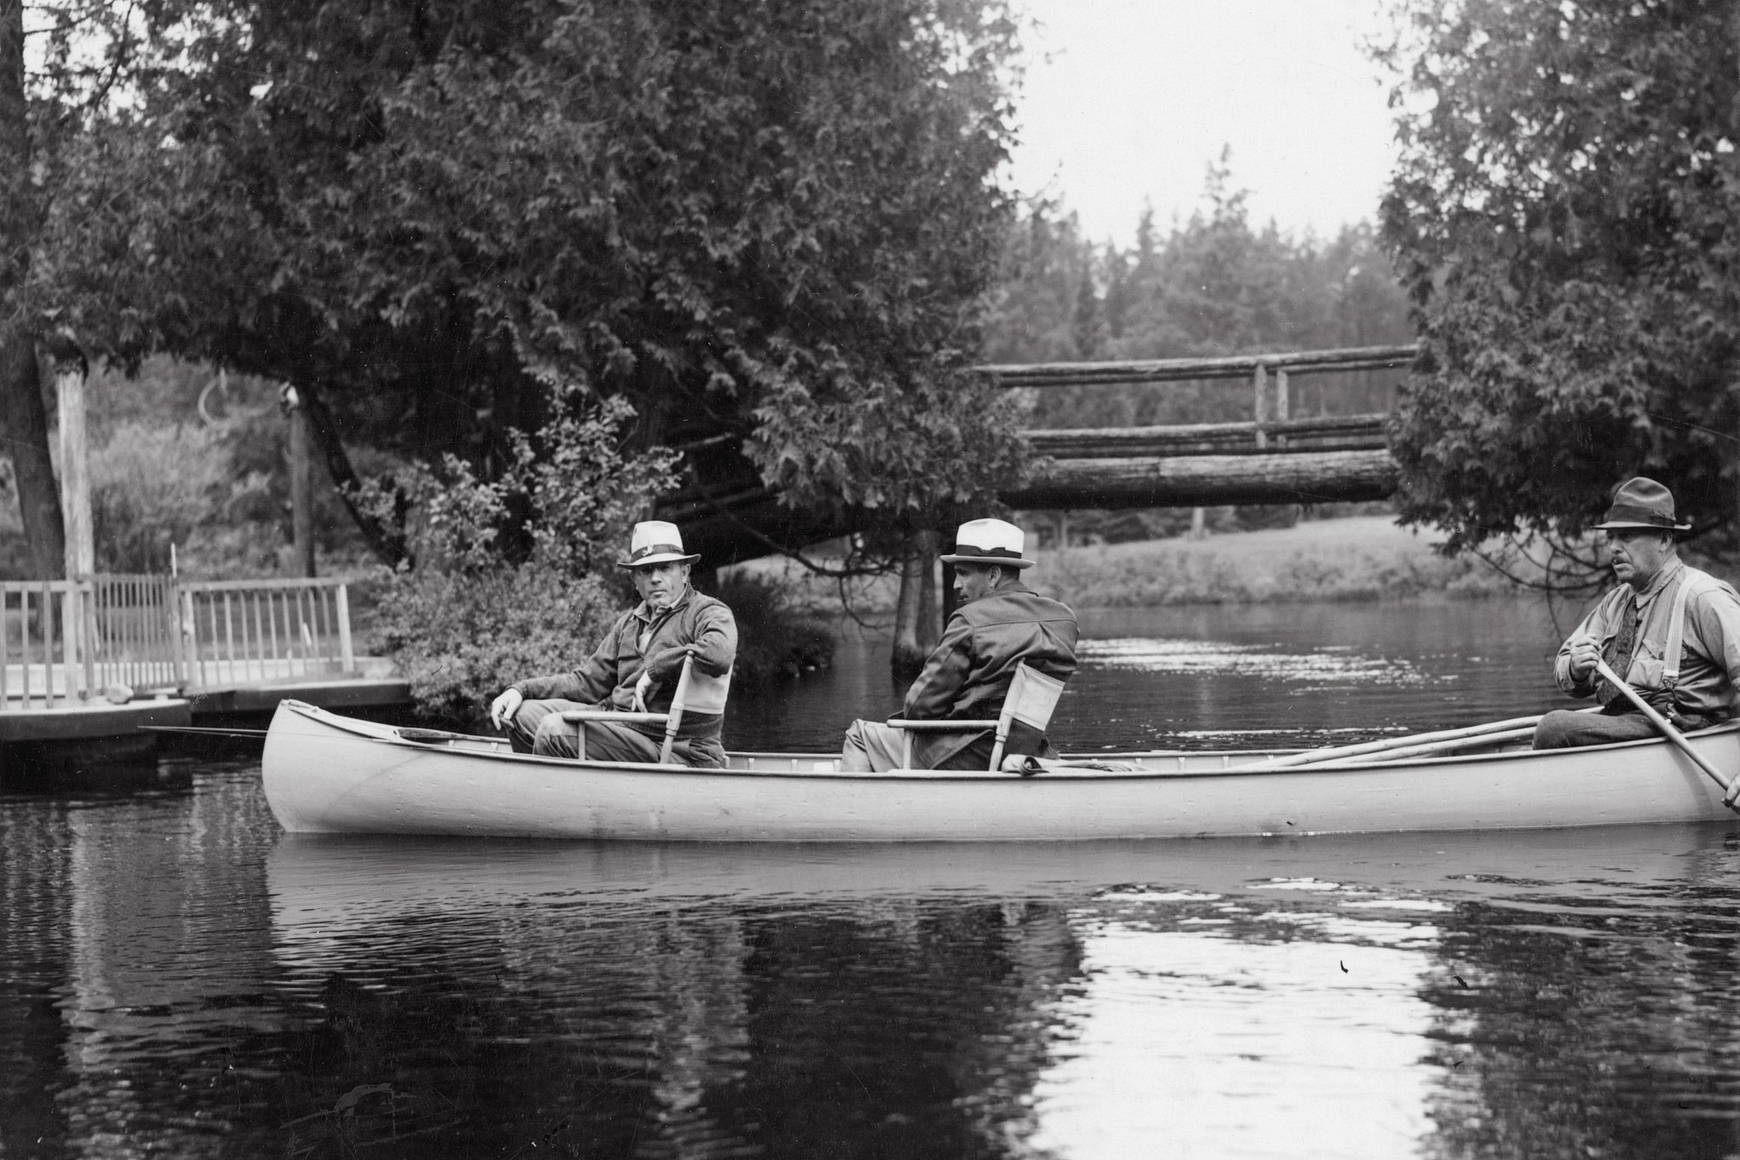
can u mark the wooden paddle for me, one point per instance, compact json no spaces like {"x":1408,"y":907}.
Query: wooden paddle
{"x":1336,"y":753}
{"x":1731,"y":788}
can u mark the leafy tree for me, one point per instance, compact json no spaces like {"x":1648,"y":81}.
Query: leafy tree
{"x":1564,"y":219}
{"x":769,"y":221}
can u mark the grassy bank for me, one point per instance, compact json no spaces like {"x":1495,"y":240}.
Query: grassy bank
{"x":1356,"y":558}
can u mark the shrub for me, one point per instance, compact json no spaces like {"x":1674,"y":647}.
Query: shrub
{"x":462,"y":638}
{"x":471,"y":619}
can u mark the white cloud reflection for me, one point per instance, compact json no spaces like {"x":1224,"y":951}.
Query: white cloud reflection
{"x":1190,"y":1043}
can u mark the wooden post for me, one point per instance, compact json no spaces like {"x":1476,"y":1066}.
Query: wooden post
{"x":346,"y":655}
{"x":301,"y":481}
{"x":1260,"y":388}
{"x":75,"y":476}
{"x":75,"y":504}
{"x":1283,"y":396}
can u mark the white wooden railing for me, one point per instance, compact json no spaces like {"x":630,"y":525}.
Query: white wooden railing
{"x":241,"y":632}
{"x":67,"y":643}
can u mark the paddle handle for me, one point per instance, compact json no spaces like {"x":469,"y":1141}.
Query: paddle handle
{"x":1731,"y":788}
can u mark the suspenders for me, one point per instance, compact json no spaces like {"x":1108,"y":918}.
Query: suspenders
{"x":1692,"y":583}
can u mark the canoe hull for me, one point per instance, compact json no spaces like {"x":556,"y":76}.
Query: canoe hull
{"x":328,"y":774}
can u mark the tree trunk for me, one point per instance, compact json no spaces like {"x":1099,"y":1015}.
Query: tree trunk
{"x":21,"y":410}
{"x":302,"y":492}
{"x":915,"y":611}
{"x":25,"y":420}
{"x":387,"y":541}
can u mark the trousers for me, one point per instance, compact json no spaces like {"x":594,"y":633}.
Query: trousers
{"x":539,"y":728}
{"x":872,"y":747}
{"x":1619,"y":721}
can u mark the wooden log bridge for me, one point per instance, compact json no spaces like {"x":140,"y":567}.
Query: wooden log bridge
{"x":1272,"y":459}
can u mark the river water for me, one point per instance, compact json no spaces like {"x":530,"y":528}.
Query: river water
{"x":179,"y":978}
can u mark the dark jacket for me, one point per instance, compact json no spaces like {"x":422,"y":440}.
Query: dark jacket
{"x":968,"y":674}
{"x":606,"y":678}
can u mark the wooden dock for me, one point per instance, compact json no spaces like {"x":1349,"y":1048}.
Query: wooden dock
{"x":87,"y":665}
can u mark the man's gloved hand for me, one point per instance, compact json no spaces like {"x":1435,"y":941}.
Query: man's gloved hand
{"x":503,"y":708}
{"x":642,"y":690}
{"x":1585,"y":651}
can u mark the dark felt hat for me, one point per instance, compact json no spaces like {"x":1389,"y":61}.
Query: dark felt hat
{"x":1641,"y":502}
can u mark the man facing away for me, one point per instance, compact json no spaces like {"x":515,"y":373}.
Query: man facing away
{"x":635,"y":669}
{"x":999,"y":624}
{"x":1669,"y":630}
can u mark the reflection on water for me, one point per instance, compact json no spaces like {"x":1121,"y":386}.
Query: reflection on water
{"x":178,"y":978}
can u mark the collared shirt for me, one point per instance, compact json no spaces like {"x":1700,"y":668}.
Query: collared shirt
{"x":645,"y":639}
{"x":1709,"y":656}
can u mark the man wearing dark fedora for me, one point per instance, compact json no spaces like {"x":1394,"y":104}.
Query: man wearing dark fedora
{"x":1670,"y":631}
{"x":635,"y":669}
{"x":999,"y":624}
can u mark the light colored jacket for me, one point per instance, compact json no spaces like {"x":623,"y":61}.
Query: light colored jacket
{"x":1702,"y":679}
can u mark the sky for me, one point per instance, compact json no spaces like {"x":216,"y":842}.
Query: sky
{"x":1128,"y":101}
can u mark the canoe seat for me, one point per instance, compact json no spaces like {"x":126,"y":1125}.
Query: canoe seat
{"x":1032,"y":699}
{"x":671,"y":720}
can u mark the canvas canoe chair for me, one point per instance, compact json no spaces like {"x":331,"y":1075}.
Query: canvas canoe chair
{"x":1032,"y":699}
{"x":695,"y":692}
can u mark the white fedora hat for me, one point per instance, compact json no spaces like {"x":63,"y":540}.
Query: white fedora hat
{"x":655,"y":542}
{"x":989,"y":542}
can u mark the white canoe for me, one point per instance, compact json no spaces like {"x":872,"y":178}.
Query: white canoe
{"x":324,"y":773}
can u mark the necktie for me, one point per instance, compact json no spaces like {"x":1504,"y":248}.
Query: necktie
{"x":1618,"y":651}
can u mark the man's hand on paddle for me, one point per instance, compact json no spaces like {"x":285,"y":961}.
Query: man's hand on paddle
{"x":1585,"y":651}
{"x":503,"y":708}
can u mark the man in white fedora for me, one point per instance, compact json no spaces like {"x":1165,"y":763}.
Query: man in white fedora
{"x":635,"y":669}
{"x":1668,"y":630}
{"x":999,"y":623}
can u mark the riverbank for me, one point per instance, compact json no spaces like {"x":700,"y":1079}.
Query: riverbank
{"x":1353,"y":558}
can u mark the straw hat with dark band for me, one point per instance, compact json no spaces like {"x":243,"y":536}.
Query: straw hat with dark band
{"x":1641,"y":503}
{"x":656,"y":542}
{"x":989,"y":542}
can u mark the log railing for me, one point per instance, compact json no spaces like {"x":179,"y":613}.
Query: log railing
{"x":1328,"y":433}
{"x":68,"y":643}
{"x":1270,"y":375}
{"x":1274,"y":458}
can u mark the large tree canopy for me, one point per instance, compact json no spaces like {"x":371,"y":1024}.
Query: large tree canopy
{"x":768,"y":221}
{"x":1565,"y":218}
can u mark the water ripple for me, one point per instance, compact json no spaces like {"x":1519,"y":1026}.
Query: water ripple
{"x":1221,"y":658}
